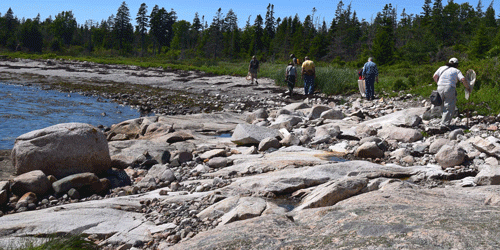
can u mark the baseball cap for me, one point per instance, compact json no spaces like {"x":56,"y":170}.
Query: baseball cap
{"x":453,"y":60}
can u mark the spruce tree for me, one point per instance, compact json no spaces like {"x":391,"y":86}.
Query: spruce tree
{"x":142,"y":24}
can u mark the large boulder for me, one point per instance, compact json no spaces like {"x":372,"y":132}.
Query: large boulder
{"x":450,"y":156}
{"x":296,"y":105}
{"x":267,"y":143}
{"x":332,"y":192}
{"x":246,"y":134}
{"x":129,"y":129}
{"x":87,"y":183}
{"x":179,"y":136}
{"x":490,"y":146}
{"x":369,"y":150}
{"x":260,"y":114}
{"x":158,"y":175}
{"x":285,"y":121}
{"x":333,"y":114}
{"x":34,"y":181}
{"x":128,"y":153}
{"x":316,"y":111}
{"x":400,"y":134}
{"x":488,"y":175}
{"x":437,"y":144}
{"x":217,"y":162}
{"x":62,"y":150}
{"x":213,"y":153}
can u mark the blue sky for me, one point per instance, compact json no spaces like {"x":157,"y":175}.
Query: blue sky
{"x":185,"y":9}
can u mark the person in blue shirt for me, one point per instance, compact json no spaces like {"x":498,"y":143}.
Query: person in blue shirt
{"x":370,"y":75}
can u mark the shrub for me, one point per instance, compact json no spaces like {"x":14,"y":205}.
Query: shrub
{"x":399,"y":85}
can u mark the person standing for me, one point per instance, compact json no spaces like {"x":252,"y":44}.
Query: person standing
{"x":295,"y":61}
{"x":370,"y":75}
{"x":447,"y":78}
{"x":290,"y":76}
{"x":253,"y":68}
{"x":308,"y":74}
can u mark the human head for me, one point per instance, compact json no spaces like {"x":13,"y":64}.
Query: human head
{"x":290,"y":63}
{"x":453,"y":62}
{"x":307,"y":58}
{"x":292,"y":55}
{"x":370,"y":59}
{"x":253,"y":57}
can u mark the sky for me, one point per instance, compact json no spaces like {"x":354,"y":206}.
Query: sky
{"x":186,"y":9}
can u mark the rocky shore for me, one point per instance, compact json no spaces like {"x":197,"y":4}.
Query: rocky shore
{"x":250,"y":168}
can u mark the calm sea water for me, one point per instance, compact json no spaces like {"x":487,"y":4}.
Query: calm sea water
{"x":27,"y":108}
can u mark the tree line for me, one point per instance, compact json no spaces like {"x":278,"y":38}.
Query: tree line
{"x":437,"y":33}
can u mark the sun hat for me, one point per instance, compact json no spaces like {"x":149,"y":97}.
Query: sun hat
{"x":453,"y":60}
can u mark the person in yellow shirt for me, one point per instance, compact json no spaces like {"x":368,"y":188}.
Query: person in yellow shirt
{"x":308,"y":74}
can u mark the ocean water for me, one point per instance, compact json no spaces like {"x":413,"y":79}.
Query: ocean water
{"x":27,"y":108}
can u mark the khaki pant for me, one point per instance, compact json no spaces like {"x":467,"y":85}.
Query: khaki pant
{"x":449,"y":96}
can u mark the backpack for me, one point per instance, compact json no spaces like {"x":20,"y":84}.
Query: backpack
{"x":436,"y":98}
{"x":254,"y":64}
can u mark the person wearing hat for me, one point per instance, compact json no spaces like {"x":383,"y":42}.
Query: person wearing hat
{"x":308,"y":73}
{"x":447,"y":78}
{"x":253,"y":68}
{"x":370,"y":75}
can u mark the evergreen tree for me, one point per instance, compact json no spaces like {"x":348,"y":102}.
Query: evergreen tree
{"x":481,"y":43}
{"x":123,"y":28}
{"x":169,"y":19}
{"x":195,"y":30}
{"x":156,"y":30}
{"x":489,"y":17}
{"x":438,"y":20}
{"x":142,"y":24}
{"x":64,"y":26}
{"x":161,"y":23}
{"x":479,"y":9}
{"x":427,"y":12}
{"x":31,"y":37}
{"x":214,"y":35}
{"x":451,"y":27}
{"x":257,"y":44}
{"x":269,"y":26}
{"x":383,"y":45}
{"x":181,"y":35}
{"x":231,"y":34}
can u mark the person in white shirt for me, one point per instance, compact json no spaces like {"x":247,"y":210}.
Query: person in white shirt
{"x":447,"y":78}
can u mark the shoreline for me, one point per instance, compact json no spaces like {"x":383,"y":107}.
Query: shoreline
{"x":164,"y":92}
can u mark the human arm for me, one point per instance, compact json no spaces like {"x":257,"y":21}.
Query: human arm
{"x":436,"y":77}
{"x":466,"y":84}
